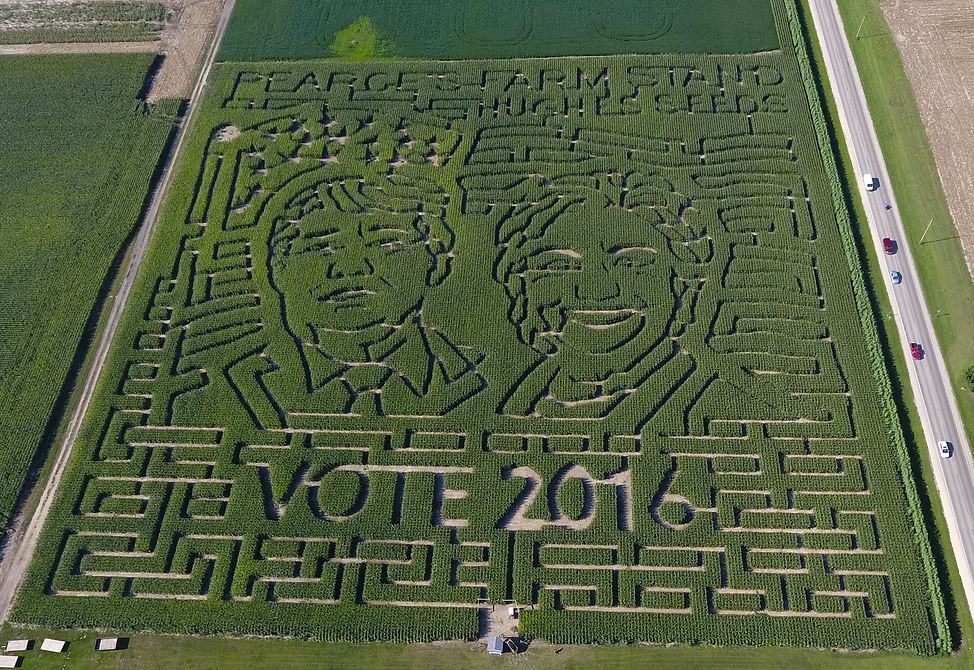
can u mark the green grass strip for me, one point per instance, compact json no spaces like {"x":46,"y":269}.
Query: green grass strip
{"x":876,"y":357}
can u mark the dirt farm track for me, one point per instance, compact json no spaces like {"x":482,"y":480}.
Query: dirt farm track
{"x":184,"y":42}
{"x":936,"y":41}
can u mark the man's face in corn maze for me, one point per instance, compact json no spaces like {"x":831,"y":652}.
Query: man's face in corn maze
{"x":340,"y":271}
{"x":595,"y":280}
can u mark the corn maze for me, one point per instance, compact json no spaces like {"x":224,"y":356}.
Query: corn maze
{"x":421,"y":338}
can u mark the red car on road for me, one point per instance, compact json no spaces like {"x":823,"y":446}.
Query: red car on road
{"x":889,"y":246}
{"x":916,"y":351}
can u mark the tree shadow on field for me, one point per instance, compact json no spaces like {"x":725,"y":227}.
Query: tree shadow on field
{"x":150,"y":77}
{"x":865,"y":35}
{"x":949,"y":238}
{"x":861,"y":232}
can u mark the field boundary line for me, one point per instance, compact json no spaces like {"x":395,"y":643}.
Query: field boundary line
{"x":23,"y":539}
{"x":64,"y":48}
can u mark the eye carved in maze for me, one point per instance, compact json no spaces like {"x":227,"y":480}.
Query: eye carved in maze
{"x":513,"y":22}
{"x":651,"y":21}
{"x":476,"y":24}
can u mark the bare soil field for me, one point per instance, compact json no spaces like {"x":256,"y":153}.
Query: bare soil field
{"x":936,"y":41}
{"x":185,"y":45}
{"x":183,"y":40}
{"x":84,"y":20}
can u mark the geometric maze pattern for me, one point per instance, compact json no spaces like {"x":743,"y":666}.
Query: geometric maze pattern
{"x":424,"y":337}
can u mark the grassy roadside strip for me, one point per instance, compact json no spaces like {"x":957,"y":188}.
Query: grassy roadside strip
{"x":827,"y":132}
{"x":940,"y":261}
{"x":159,"y":652}
{"x":958,"y":614}
{"x":944,"y":275}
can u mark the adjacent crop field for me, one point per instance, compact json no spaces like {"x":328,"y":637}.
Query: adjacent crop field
{"x":32,"y":21}
{"x":447,"y":29}
{"x":78,"y":152}
{"x":416,"y":338}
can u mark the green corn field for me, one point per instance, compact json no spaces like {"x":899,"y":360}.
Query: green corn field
{"x":416,"y":339}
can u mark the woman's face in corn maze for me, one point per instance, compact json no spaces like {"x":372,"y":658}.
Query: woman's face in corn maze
{"x":347,"y":272}
{"x":595,"y":280}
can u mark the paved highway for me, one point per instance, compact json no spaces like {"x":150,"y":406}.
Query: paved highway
{"x":25,"y":531}
{"x":928,"y":377}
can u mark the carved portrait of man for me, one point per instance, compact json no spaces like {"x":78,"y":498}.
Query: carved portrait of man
{"x":352,"y":262}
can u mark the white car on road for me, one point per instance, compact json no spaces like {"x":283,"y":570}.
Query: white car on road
{"x":946,"y":448}
{"x":870,"y":182}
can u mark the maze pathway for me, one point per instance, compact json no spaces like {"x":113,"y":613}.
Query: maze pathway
{"x":421,"y":338}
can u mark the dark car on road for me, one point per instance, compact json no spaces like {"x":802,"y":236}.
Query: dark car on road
{"x":889,"y":246}
{"x":916,"y":351}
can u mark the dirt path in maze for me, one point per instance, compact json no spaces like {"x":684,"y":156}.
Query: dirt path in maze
{"x":935,"y":39}
{"x":26,"y":530}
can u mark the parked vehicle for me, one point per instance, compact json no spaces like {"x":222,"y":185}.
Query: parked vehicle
{"x":946,"y":448}
{"x":896,"y":277}
{"x":870,"y":182}
{"x":889,"y":246}
{"x":916,"y":351}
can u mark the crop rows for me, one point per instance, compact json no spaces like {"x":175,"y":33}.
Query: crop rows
{"x":83,"y":21}
{"x":443,"y":29}
{"x":417,"y":339}
{"x":81,"y":151}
